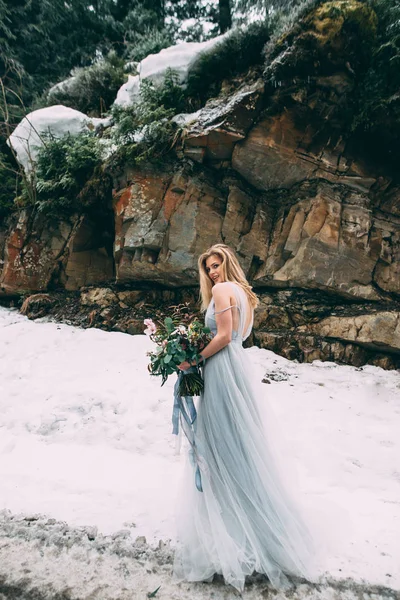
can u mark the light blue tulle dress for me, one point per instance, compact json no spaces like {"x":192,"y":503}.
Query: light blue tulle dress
{"x":244,"y":520}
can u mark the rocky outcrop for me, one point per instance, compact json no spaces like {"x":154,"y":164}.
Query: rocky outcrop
{"x":217,"y":128}
{"x":37,"y":306}
{"x":380,"y":330}
{"x":310,"y":325}
{"x":40,"y":255}
{"x":333,"y":238}
{"x":319,"y":236}
{"x":164,"y":223}
{"x":280,"y":152}
{"x":300,"y":215}
{"x":300,"y":325}
{"x":273,"y":170}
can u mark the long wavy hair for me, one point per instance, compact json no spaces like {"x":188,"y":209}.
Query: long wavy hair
{"x":231,"y":270}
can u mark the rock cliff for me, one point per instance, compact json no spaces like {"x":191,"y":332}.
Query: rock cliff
{"x":274,"y":171}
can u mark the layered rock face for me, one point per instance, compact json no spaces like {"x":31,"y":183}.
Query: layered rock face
{"x":271,"y":172}
{"x":163,"y":224}
{"x":40,"y":255}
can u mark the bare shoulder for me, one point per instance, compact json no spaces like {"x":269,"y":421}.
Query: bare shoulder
{"x":221,"y":290}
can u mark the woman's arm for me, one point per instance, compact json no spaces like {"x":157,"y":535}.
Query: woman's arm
{"x":222,"y":299}
{"x":221,"y":294}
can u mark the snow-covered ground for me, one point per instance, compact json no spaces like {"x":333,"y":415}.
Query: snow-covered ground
{"x":85,"y":442}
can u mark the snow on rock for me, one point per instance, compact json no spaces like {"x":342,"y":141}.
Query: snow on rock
{"x":58,"y":120}
{"x":184,"y":119}
{"x":128,"y":93}
{"x":64,"y":86}
{"x":88,"y":463}
{"x":180,"y":58}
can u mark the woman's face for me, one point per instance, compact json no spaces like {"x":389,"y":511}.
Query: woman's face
{"x":214,"y":268}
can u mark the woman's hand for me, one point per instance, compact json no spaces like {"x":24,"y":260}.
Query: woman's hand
{"x":184,"y":365}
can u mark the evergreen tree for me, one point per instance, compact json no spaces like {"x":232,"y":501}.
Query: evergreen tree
{"x":225,"y":17}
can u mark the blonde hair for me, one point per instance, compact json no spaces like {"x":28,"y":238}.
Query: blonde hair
{"x":231,"y":270}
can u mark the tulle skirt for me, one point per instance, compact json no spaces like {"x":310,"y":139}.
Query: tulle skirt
{"x":244,"y":520}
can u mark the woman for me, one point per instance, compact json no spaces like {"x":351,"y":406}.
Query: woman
{"x":242,"y":521}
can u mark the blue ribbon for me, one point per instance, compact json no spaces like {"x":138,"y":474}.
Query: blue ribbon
{"x":190,"y":414}
{"x":184,"y":411}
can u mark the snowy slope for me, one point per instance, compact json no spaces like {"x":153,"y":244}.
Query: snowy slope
{"x":85,"y":438}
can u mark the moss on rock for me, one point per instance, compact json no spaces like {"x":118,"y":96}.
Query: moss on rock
{"x":330,"y":19}
{"x":331,"y":35}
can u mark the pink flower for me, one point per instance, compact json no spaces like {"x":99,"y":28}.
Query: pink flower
{"x":151,"y":327}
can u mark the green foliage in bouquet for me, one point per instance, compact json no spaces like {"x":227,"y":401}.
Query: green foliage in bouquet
{"x":179,"y":338}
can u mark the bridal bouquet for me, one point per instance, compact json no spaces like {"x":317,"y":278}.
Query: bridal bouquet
{"x":177,"y":342}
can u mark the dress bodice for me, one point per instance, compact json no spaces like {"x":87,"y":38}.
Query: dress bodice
{"x":242,"y":307}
